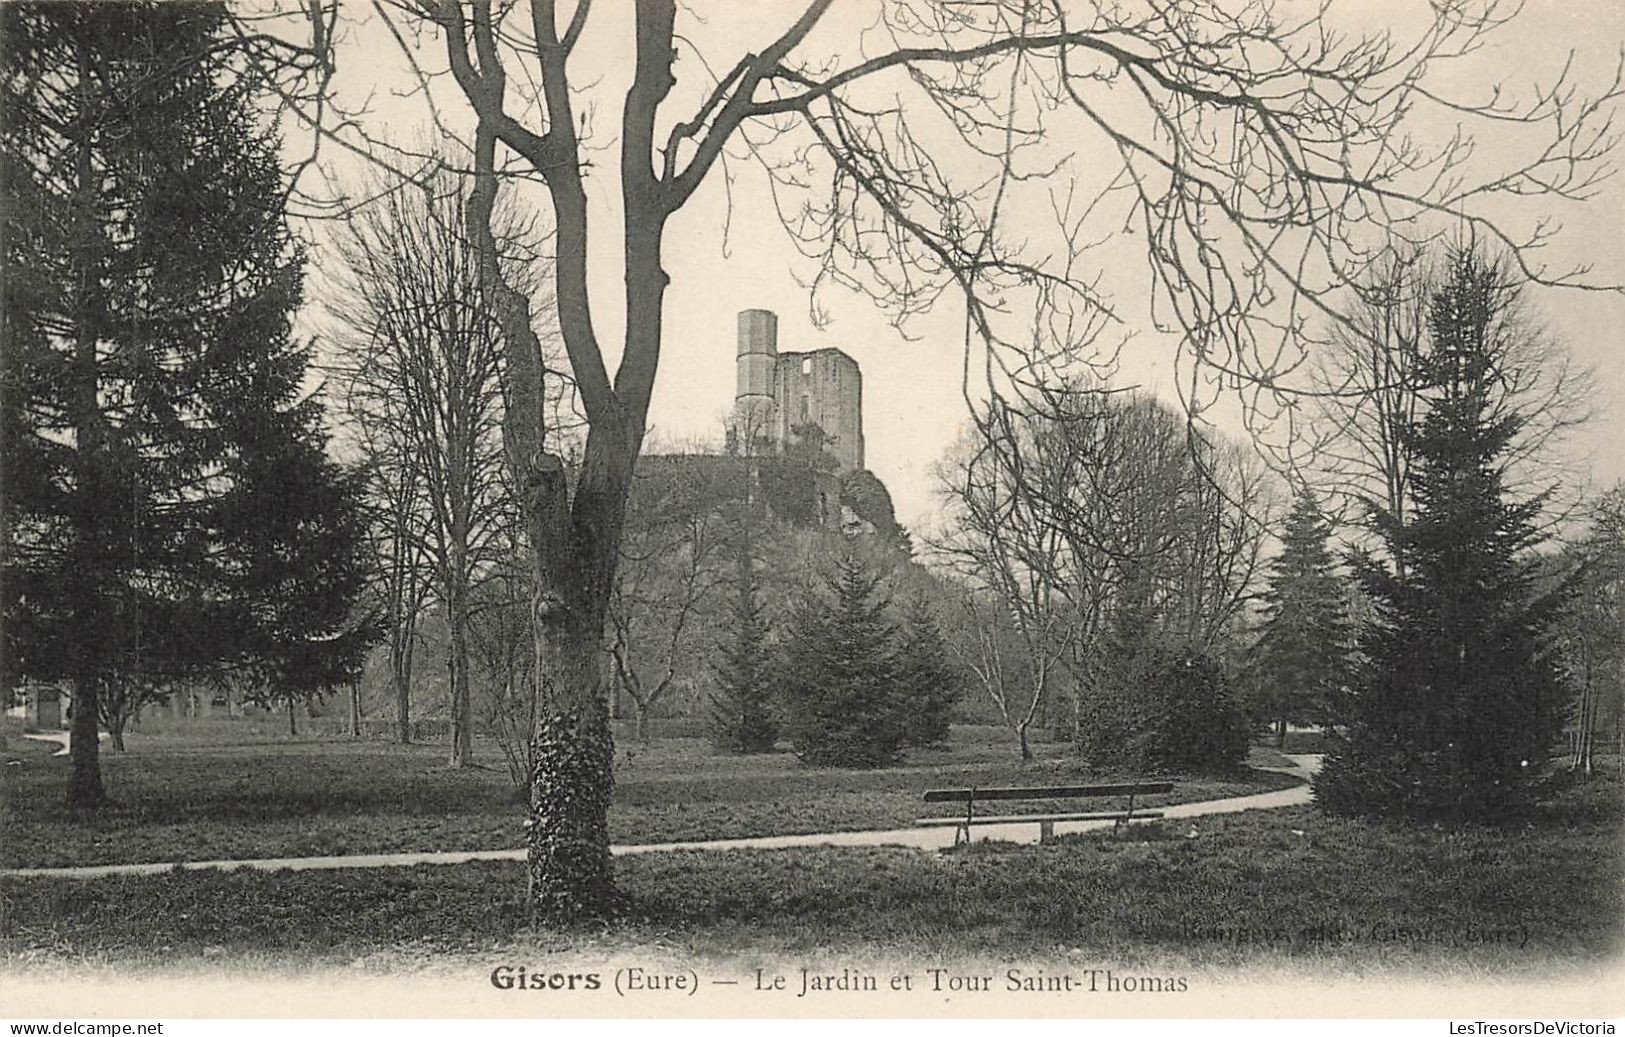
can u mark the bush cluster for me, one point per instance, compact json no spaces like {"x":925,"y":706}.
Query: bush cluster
{"x":1163,"y":708}
{"x":853,"y":687}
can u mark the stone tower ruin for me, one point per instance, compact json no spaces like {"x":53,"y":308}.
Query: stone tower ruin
{"x":778,"y":392}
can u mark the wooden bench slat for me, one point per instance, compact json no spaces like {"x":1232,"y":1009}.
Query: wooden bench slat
{"x":1005,"y":819}
{"x":1144,"y":788}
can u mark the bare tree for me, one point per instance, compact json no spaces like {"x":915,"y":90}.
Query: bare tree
{"x":421,"y":370}
{"x":1372,"y":392}
{"x":1163,"y":526}
{"x":1373,"y":386}
{"x":1018,"y":682}
{"x":1226,"y":508}
{"x":1592,"y":633}
{"x":1010,"y":551}
{"x":502,"y":645}
{"x":399,"y":571}
{"x":1254,"y":155}
{"x":671,"y":567}
{"x":1097,"y":519}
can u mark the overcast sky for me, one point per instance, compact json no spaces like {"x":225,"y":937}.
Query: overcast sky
{"x":913,"y":406}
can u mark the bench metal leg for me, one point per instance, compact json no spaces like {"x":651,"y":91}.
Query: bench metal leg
{"x":970,"y":814}
{"x":1117,"y":825}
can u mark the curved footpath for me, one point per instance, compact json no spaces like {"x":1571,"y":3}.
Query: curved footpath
{"x":919,"y":838}
{"x":58,"y":738}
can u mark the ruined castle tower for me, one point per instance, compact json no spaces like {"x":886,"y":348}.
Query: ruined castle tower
{"x":779,"y":391}
{"x":758,"y":358}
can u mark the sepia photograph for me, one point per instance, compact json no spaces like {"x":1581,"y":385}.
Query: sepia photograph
{"x":863,"y":509}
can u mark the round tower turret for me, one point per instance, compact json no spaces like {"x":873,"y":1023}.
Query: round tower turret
{"x":758,"y":356}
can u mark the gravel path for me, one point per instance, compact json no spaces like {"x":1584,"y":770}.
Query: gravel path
{"x":919,"y":838}
{"x":58,"y":738}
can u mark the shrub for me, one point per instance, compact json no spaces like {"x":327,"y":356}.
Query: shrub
{"x":1166,"y":708}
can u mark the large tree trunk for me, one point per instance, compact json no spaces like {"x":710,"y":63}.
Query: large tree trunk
{"x":85,"y":783}
{"x":85,"y":776}
{"x":572,"y":747}
{"x":570,"y":871}
{"x":575,"y":543}
{"x":355,"y":709}
{"x":574,"y":546}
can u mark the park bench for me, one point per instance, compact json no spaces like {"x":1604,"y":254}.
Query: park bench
{"x":1046,"y":822}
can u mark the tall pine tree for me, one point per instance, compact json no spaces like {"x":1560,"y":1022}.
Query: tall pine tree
{"x":169,"y":508}
{"x":926,"y":685}
{"x":743,"y":715}
{"x":839,"y":673}
{"x":1301,"y":658}
{"x":1460,"y":704}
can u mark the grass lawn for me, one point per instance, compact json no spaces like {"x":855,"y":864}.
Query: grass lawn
{"x":261,"y":794}
{"x":1264,"y":888}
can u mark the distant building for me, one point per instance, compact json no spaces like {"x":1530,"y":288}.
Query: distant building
{"x":38,"y":706}
{"x":778,"y":392}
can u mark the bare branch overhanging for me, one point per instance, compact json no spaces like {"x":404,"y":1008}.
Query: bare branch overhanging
{"x":1289,"y":135}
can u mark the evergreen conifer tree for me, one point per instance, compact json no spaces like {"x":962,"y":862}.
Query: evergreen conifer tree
{"x":926,"y":686}
{"x":743,"y":717}
{"x":1301,"y":658}
{"x":1460,"y":704}
{"x":839,"y":672}
{"x":169,"y":510}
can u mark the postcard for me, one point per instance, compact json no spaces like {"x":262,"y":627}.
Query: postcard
{"x":880,"y":509}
